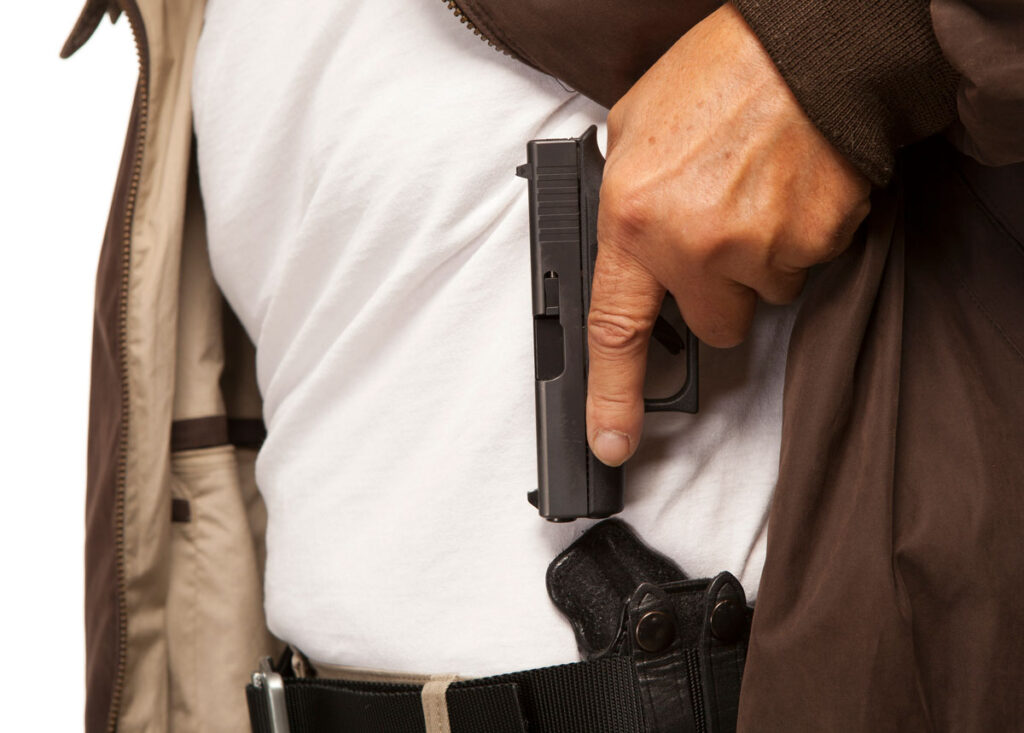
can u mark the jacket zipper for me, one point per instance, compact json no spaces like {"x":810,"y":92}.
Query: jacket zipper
{"x":696,"y":690}
{"x":459,"y":13}
{"x":142,"y":51}
{"x":141,"y":48}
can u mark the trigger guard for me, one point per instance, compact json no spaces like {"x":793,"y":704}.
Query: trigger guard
{"x":687,"y":398}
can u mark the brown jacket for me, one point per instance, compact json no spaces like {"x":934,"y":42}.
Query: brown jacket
{"x":895,"y":525}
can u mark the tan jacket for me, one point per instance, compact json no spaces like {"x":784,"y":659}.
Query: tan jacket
{"x":174,"y":548}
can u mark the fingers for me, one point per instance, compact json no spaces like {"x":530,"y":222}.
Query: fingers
{"x":719,"y":311}
{"x":758,"y":268}
{"x":780,"y":286}
{"x":624,"y":305}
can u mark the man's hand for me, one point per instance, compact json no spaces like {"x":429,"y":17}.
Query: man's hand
{"x":717,"y":188}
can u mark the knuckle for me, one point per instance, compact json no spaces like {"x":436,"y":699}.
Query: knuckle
{"x":835,"y":230}
{"x":625,"y":209}
{"x":615,"y":332}
{"x":712,"y":234}
{"x":775,"y":245}
{"x":829,"y":242}
{"x":850,"y":220}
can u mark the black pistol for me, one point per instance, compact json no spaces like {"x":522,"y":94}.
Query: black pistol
{"x":564,"y":182}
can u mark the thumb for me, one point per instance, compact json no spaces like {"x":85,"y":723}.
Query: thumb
{"x":625,"y":301}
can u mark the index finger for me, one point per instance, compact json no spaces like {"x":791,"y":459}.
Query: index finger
{"x":625,"y":302}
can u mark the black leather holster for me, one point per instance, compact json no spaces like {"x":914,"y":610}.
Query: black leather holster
{"x":687,"y":639}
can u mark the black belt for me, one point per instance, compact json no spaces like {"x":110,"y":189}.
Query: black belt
{"x":668,"y":658}
{"x":587,"y":697}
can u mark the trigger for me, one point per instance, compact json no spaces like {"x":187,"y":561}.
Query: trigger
{"x":667,"y":336}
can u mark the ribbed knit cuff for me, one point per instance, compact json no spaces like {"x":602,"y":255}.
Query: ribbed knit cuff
{"x":869,"y":73}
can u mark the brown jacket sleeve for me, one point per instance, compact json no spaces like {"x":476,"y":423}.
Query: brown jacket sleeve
{"x":984,"y":41}
{"x":869,"y":73}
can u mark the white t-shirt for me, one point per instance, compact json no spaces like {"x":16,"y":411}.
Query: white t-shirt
{"x":357,"y":165}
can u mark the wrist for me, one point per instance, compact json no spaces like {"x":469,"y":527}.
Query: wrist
{"x":870,"y":76}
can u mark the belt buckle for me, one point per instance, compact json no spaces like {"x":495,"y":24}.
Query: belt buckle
{"x":272,"y":684}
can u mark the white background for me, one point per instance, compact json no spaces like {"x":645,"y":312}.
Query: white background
{"x":62,"y":125}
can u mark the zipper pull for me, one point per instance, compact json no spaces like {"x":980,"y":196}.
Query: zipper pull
{"x":87,"y":23}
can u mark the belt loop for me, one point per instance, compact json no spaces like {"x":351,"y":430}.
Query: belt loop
{"x":435,"y":703}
